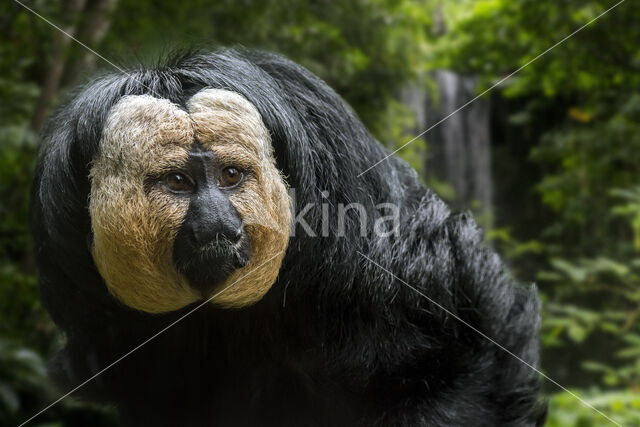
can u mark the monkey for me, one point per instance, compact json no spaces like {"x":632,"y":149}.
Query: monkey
{"x":189,"y":248}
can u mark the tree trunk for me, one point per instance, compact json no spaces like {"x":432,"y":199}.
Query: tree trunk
{"x":94,"y":28}
{"x":60,"y":46}
{"x":459,"y":148}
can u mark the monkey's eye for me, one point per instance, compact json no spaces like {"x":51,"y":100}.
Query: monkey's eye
{"x":179,"y":182}
{"x":230,"y":176}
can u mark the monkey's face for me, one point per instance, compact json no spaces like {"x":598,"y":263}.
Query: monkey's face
{"x":184,"y":204}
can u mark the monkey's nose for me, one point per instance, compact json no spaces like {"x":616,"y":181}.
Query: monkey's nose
{"x":206,"y":233}
{"x":206,"y":252}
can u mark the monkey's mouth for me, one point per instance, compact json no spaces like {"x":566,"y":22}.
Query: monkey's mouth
{"x":207,"y":265}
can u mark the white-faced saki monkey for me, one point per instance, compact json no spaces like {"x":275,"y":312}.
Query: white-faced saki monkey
{"x":231,"y":182}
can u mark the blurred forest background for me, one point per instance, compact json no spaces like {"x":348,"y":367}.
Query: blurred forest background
{"x":549,"y":161}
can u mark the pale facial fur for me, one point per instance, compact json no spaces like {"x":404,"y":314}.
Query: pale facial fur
{"x":134,"y":231}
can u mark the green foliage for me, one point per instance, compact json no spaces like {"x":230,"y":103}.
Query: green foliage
{"x":397,"y":134}
{"x":21,"y":369}
{"x":630,"y":209}
{"x":567,"y":411}
{"x":596,"y":164}
{"x":25,"y":389}
{"x":604,"y":278}
{"x":510,"y":246}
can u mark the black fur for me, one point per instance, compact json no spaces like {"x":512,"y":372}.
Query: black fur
{"x":337,"y":341}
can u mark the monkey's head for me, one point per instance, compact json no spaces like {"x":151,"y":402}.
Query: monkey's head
{"x":187,"y":202}
{"x":165,"y":186}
